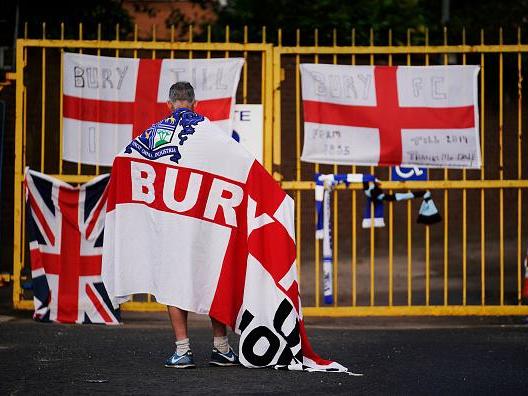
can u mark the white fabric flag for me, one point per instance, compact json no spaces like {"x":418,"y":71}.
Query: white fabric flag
{"x":107,"y":101}
{"x":198,"y":223}
{"x":391,"y":115}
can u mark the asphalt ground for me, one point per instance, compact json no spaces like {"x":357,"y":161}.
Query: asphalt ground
{"x":395,"y":356}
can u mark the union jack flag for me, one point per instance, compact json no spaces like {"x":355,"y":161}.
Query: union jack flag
{"x":66,"y":226}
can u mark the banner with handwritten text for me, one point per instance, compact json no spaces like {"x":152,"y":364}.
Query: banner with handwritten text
{"x":108,"y":101}
{"x":391,"y":115}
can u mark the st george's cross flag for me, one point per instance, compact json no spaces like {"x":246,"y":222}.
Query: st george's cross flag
{"x":196,"y":221}
{"x":107,"y":101}
{"x":391,"y":115}
{"x":65,"y":227}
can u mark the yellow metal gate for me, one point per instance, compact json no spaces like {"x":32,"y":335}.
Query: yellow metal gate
{"x":470,"y":264}
{"x":38,"y":140}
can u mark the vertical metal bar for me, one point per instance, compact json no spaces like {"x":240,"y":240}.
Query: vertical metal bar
{"x":18,"y":172}
{"x":446,"y":218}
{"x":227,"y":40}
{"x":135,"y":39}
{"x":482,"y":176}
{"x":391,"y":217}
{"x":409,"y":208}
{"x":371,"y":43}
{"x":268,"y":95}
{"x":427,"y":263}
{"x":464,"y":210}
{"x":263,"y":68}
{"x":172,"y":41}
{"x":153,"y":54}
{"x":98,"y":125}
{"x":519,"y":165}
{"x":244,"y":69}
{"x":335,"y":228}
{"x":43,"y":104}
{"x":427,"y":230}
{"x":317,"y":246}
{"x":501,"y":169}
{"x":79,"y":147}
{"x":190,"y":40}
{"x":298,"y":151}
{"x":24,"y":136}
{"x":354,"y":208}
{"x":61,"y":99}
{"x":372,"y":234}
{"x":208,"y":55}
{"x":117,"y":30}
{"x":277,"y":156}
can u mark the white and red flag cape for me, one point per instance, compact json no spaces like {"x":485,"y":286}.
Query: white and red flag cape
{"x":196,"y":221}
{"x":391,"y":115}
{"x":107,"y":100}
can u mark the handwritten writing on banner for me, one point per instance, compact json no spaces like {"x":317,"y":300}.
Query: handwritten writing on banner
{"x":381,"y":115}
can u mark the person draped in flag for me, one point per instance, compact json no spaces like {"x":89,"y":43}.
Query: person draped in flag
{"x":181,"y":102}
{"x":194,"y":220}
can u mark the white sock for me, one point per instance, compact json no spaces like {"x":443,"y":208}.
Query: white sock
{"x":183,"y":346}
{"x":221,"y":343}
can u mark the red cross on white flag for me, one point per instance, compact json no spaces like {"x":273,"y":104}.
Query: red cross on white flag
{"x":383,"y":115}
{"x":108,"y":101}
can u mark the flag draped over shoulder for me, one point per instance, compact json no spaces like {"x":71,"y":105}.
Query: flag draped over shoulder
{"x":196,"y":221}
{"x":65,"y":227}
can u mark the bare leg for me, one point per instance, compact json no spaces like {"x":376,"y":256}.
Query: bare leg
{"x":178,"y":319}
{"x":219,"y":329}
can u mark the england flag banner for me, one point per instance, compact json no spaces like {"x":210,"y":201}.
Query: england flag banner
{"x":391,"y":115}
{"x":65,"y":225}
{"x":201,"y":225}
{"x":107,"y":101}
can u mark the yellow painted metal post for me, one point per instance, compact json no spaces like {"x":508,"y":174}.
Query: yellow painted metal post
{"x":298,"y":152}
{"x":79,"y":148}
{"x":98,"y":127}
{"x":354,"y":208}
{"x":172,"y":41}
{"x":464,"y":211}
{"x":391,"y":217}
{"x":316,"y":169}
{"x":482,"y":176}
{"x":501,"y":171}
{"x":372,"y":234}
{"x":153,"y":40}
{"x":24,"y":135}
{"x":244,"y":70}
{"x":17,"y":201}
{"x":135,"y":39}
{"x":191,"y":40}
{"x":116,"y":144}
{"x":268,"y":88}
{"x":277,"y":79}
{"x":335,"y":225}
{"x":227,"y":34}
{"x":446,"y":219}
{"x":409,"y":208}
{"x":61,"y":104}
{"x":519,"y":166}
{"x":43,"y":104}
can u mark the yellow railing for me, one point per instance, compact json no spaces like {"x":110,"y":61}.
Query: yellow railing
{"x":43,"y":128}
{"x":369,"y":277}
{"x":468,"y":265}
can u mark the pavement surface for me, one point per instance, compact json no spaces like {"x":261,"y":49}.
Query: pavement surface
{"x":395,"y":356}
